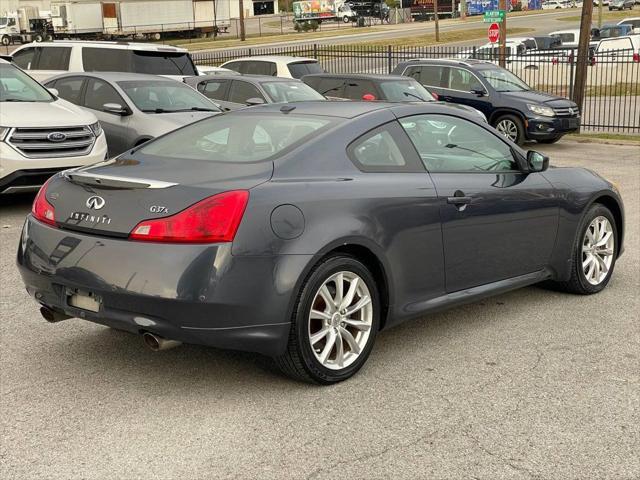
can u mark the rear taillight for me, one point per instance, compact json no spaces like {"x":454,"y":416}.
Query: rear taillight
{"x":368,"y":97}
{"x":214,"y":219}
{"x":435,"y":96}
{"x":636,"y":57}
{"x":42,"y":209}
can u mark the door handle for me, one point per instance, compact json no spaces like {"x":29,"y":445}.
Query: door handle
{"x":459,"y":200}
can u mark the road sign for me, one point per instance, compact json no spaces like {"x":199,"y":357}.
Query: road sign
{"x":493,"y":16}
{"x":494,"y":32}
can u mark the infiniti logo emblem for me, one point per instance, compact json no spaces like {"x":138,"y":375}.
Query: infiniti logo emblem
{"x":95,"y":202}
{"x":56,"y":137}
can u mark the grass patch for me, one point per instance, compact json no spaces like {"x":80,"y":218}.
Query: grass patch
{"x":606,"y":16}
{"x":631,"y":138}
{"x":445,"y":37}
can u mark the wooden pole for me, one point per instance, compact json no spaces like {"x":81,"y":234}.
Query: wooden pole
{"x":435,"y":11}
{"x":582,"y":59}
{"x":463,"y":9}
{"x":503,"y":35}
{"x":242,"y":34}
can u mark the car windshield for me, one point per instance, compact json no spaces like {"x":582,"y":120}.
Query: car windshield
{"x":290,"y":92}
{"x":160,"y":96}
{"x":503,"y":80}
{"x":300,"y":69}
{"x":17,"y":86}
{"x":405,"y":91}
{"x":239,"y":138}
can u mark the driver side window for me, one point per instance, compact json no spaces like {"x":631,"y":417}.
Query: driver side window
{"x":452,"y":144}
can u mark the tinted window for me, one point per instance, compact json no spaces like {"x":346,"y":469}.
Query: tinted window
{"x":404,"y":91}
{"x":356,"y":89}
{"x":253,"y":67}
{"x":17,"y":86}
{"x":243,"y":91}
{"x":300,"y":69}
{"x":106,"y":60}
{"x":24,"y":58}
{"x":161,"y":96}
{"x":503,"y":80}
{"x":293,"y":91}
{"x":98,"y":93}
{"x":69,"y":88}
{"x":451,"y":144}
{"x":237,"y":138}
{"x":331,"y":87}
{"x":463,"y":80}
{"x":426,"y":75}
{"x":54,"y":58}
{"x":136,"y":61}
{"x":215,"y":89}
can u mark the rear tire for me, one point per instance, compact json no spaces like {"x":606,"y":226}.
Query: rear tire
{"x":511,"y":127}
{"x":581,"y":281}
{"x":327,"y":344}
{"x":38,"y":38}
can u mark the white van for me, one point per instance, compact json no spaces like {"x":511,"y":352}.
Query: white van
{"x":620,"y":49}
{"x":41,"y":134}
{"x":47,"y":59}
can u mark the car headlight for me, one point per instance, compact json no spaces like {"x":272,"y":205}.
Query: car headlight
{"x":4,"y":131}
{"x":542,"y":110}
{"x":96,"y":128}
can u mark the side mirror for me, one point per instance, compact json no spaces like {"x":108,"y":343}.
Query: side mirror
{"x":478,"y":90}
{"x":54,"y":92}
{"x":116,"y":109}
{"x":536,"y":161}
{"x":255,"y":101}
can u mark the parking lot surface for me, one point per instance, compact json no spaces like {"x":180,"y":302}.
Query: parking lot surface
{"x":529,"y":384}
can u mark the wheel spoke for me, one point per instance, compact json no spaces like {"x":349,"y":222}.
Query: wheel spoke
{"x":328,"y":347}
{"x":596,"y":270}
{"x":603,"y":241}
{"x":316,"y":337}
{"x":590,"y":239}
{"x":588,"y":261}
{"x":605,"y":252}
{"x":328,"y":299}
{"x":591,"y":269}
{"x":602,"y":265}
{"x":359,"y":324}
{"x":350,"y":293}
{"x":339,"y":289}
{"x":353,"y":345}
{"x":339,"y":351}
{"x":318,"y":315}
{"x":363,"y":302}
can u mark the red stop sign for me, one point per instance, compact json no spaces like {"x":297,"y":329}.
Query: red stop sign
{"x":494,"y":32}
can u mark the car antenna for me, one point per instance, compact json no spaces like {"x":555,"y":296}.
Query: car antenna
{"x":287,"y":108}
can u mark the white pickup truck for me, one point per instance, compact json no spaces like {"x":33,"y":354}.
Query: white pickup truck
{"x":41,"y":134}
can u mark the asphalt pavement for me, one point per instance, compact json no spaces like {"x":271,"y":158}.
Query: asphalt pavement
{"x":529,"y":384}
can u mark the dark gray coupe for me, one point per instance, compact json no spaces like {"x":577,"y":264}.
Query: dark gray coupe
{"x":301,"y":231}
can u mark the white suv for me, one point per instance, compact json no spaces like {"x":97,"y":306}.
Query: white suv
{"x":275,"y":66}
{"x":41,"y":134}
{"x":47,"y":59}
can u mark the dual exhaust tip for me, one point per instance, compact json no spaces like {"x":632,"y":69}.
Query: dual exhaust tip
{"x":154,"y":342}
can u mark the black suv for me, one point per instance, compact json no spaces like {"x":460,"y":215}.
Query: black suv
{"x":510,"y":105}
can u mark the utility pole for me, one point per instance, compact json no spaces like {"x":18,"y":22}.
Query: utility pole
{"x":435,"y":11}
{"x":599,"y":13}
{"x":582,"y":59}
{"x":503,"y":35}
{"x":242,"y":35}
{"x":463,"y":9}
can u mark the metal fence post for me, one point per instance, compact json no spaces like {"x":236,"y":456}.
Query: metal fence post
{"x":315,"y":51}
{"x":389,"y":59}
{"x":572,"y":57}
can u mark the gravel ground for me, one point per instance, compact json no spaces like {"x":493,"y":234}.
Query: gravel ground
{"x":530,"y":384}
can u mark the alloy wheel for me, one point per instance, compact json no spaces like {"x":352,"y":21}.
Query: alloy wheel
{"x":508,"y":128}
{"x":597,"y":250}
{"x":340,"y":320}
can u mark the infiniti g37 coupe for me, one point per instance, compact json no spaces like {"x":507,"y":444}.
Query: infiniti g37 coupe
{"x":302,"y":231}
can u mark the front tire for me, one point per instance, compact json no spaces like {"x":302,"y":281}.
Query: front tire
{"x":334,"y":323}
{"x":511,"y":127}
{"x":594,"y":253}
{"x":6,"y":40}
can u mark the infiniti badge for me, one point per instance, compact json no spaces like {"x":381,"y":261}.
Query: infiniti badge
{"x":56,"y":137}
{"x":95,"y":202}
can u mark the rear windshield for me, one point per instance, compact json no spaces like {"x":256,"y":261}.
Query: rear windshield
{"x":405,"y":91}
{"x":300,"y":69}
{"x":294,"y":91}
{"x":165,"y":96}
{"x":238,"y":138}
{"x":137,"y":61}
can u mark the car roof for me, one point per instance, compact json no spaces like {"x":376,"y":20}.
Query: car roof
{"x":274,"y":58}
{"x":235,"y":76}
{"x":357,"y":76}
{"x":324,"y":108}
{"x":469,"y":62}
{"x":115,"y":76}
{"x":115,"y":45}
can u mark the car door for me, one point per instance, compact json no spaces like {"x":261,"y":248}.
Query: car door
{"x":498,"y":220}
{"x":218,"y":91}
{"x":241,"y":91}
{"x":116,"y":127}
{"x":459,"y":86}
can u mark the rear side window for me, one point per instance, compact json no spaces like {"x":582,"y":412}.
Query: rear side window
{"x":98,"y":93}
{"x":106,"y":60}
{"x":69,"y":88}
{"x":253,"y":67}
{"x":426,"y":75}
{"x":136,"y":61}
{"x":215,"y":89}
{"x":384,"y":149}
{"x":53,"y":58}
{"x":24,"y":58}
{"x":243,"y":91}
{"x":300,"y":69}
{"x":356,"y":89}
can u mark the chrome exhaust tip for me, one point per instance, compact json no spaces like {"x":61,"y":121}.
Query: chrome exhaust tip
{"x":52,"y":316}
{"x":157,"y":343}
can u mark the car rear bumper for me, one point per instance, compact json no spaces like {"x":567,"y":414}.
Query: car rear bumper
{"x":199,"y":294}
{"x":540,"y":128}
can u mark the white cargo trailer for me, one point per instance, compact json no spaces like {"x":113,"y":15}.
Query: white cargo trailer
{"x":77,"y":18}
{"x":212,"y":16}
